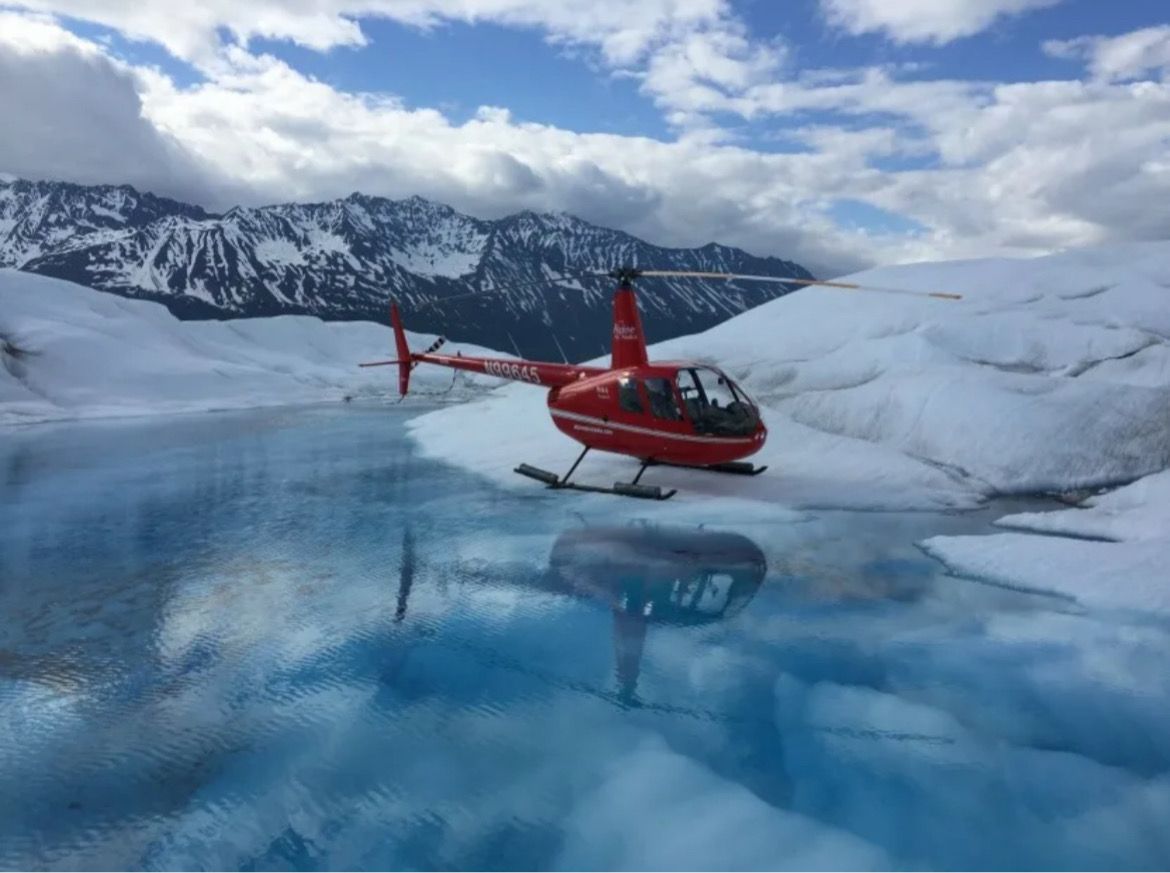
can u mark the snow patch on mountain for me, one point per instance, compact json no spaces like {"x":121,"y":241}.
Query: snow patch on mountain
{"x":430,"y":259}
{"x":279,"y":252}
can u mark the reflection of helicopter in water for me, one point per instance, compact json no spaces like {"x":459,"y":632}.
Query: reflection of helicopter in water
{"x":644,"y":574}
{"x":648,"y":574}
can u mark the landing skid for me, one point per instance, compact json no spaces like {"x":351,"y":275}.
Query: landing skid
{"x":739,"y":468}
{"x":624,"y":489}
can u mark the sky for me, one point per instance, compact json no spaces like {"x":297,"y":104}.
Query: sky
{"x":838,"y":133}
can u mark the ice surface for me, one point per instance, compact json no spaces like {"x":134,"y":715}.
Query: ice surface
{"x":807,"y":467}
{"x":1140,"y":511}
{"x":1111,"y":575}
{"x":90,"y":354}
{"x":1051,"y":374}
{"x":1131,"y":569}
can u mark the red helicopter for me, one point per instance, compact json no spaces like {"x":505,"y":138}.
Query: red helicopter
{"x":676,"y":413}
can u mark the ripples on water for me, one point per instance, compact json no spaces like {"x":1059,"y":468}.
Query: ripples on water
{"x":278,"y":639}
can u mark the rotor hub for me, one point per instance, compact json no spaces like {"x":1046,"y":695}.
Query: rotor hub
{"x":625,"y":275}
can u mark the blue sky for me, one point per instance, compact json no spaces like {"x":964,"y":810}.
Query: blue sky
{"x":458,"y":67}
{"x":845,"y":132}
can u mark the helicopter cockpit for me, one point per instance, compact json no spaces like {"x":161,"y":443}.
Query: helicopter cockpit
{"x":715,"y":404}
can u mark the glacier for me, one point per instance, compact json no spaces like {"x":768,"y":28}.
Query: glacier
{"x":83,"y":354}
{"x":1050,"y":376}
{"x":229,"y":654}
{"x":1118,"y":557}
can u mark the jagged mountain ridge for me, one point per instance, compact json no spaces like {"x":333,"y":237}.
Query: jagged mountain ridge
{"x":344,"y":259}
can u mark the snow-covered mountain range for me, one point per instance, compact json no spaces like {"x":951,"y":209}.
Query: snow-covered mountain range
{"x":345,"y":259}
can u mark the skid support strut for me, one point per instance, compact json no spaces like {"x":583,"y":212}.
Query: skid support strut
{"x":626,"y":489}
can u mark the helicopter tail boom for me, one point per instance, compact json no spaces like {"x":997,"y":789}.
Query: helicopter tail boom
{"x":542,"y":373}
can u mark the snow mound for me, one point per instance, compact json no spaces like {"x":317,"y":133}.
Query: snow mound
{"x":69,"y":352}
{"x":1130,"y":576}
{"x":1137,"y":512}
{"x":1050,"y":374}
{"x":1121,"y":563}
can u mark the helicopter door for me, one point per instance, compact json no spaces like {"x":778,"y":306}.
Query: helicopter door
{"x":660,"y":392}
{"x":692,"y":394}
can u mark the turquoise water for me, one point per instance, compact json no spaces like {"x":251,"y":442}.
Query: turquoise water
{"x":279,"y":639}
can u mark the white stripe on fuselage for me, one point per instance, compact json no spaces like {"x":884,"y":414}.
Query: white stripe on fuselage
{"x":589,"y":419}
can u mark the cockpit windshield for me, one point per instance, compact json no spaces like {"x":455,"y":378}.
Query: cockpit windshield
{"x":715,"y":404}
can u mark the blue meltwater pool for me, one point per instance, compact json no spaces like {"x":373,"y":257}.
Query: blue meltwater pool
{"x":280,"y":639}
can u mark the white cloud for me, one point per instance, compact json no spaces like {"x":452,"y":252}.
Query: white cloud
{"x":285,"y":136}
{"x":624,"y":29}
{"x":1016,"y":169}
{"x":707,"y":71}
{"x":1117,"y":58}
{"x":933,"y":21}
{"x":684,"y":52}
{"x":73,"y":113}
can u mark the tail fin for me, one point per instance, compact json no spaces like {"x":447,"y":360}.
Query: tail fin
{"x":402,"y":350}
{"x":403,"y":360}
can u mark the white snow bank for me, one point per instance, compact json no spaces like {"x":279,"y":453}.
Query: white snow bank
{"x":1137,"y":512}
{"x":1051,"y":374}
{"x":1128,"y":570}
{"x":1131,"y":570}
{"x":89,"y":354}
{"x":1099,"y":575}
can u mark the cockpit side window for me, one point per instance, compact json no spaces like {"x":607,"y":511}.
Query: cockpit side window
{"x":628,"y":397}
{"x":662,"y":402}
{"x":720,"y":409}
{"x":717,"y":388}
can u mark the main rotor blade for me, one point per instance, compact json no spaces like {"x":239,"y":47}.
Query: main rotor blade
{"x":792,"y":280}
{"x":682,"y":274}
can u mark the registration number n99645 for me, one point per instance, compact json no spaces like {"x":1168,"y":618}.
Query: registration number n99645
{"x":508,"y":370}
